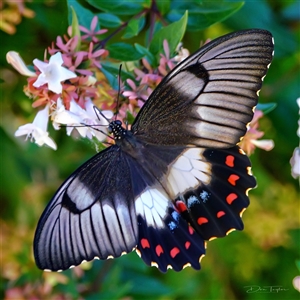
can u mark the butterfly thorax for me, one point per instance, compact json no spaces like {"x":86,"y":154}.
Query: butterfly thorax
{"x":116,"y":128}
{"x":123,"y":138}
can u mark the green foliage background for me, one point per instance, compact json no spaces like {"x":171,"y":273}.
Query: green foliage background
{"x":264,"y":254}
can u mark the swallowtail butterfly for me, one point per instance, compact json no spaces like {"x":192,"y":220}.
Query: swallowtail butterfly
{"x":177,"y":178}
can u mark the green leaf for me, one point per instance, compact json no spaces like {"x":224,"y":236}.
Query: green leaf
{"x":123,"y":52}
{"x":111,"y":72}
{"x":129,"y":117}
{"x":147,"y":285}
{"x":292,"y":12}
{"x":75,"y":28}
{"x":134,"y":27}
{"x":146,"y":53}
{"x":84,"y":15}
{"x":261,"y":15}
{"x":111,"y":78}
{"x":163,"y":6}
{"x":173,"y":33}
{"x":203,"y":14}
{"x":266,"y":107}
{"x":109,"y":20}
{"x":119,"y":7}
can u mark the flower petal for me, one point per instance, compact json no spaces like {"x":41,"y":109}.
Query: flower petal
{"x":17,"y":62}
{"x":52,"y":73}
{"x":56,"y":59}
{"x":37,"y":130}
{"x":264,"y":144}
{"x":295,"y":163}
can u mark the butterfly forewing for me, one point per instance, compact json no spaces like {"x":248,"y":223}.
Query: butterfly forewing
{"x":91,"y":215}
{"x":208,"y":99}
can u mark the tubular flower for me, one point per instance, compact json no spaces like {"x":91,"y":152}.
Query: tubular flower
{"x":37,"y":130}
{"x":52,"y":73}
{"x":251,"y":139}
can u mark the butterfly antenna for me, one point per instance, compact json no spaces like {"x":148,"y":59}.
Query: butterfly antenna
{"x":99,"y":112}
{"x":119,"y":92}
{"x":93,"y":126}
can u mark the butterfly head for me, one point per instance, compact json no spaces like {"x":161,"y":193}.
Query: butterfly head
{"x":116,"y":128}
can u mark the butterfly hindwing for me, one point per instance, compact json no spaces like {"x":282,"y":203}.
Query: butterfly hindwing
{"x":92,"y":215}
{"x":166,"y":240}
{"x":214,"y":207}
{"x":208,"y":99}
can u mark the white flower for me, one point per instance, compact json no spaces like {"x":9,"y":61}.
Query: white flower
{"x":295,"y":160}
{"x":266,"y":145}
{"x":37,"y":130}
{"x":52,"y":73}
{"x":183,"y":53}
{"x":91,"y":81}
{"x":296,"y":283}
{"x":85,"y":121}
{"x":295,"y":163}
{"x":17,"y":62}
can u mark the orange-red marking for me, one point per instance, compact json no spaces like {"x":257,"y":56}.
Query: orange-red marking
{"x":231,"y":197}
{"x":174,"y":252}
{"x":181,"y":206}
{"x":220,"y":214}
{"x":187,"y":245}
{"x":232,"y":179}
{"x":229,"y":161}
{"x":145,"y":243}
{"x":202,"y":220}
{"x":159,"y":250}
{"x":191,"y":230}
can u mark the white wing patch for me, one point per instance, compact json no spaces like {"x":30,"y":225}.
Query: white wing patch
{"x":152,"y":205}
{"x":79,"y":193}
{"x":187,"y":172}
{"x":190,"y":81}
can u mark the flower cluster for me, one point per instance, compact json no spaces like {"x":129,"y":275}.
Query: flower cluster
{"x":11,"y":14}
{"x":295,"y":160}
{"x":64,"y":87}
{"x":251,"y":139}
{"x":69,"y":85}
{"x":147,"y":80}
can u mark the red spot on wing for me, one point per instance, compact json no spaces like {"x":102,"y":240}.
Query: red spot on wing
{"x":231,"y":197}
{"x":145,"y":243}
{"x":181,"y":206}
{"x":191,"y":230}
{"x":202,"y":220}
{"x":174,"y":252}
{"x":159,"y":250}
{"x":220,"y":214}
{"x":232,"y":179}
{"x":187,"y":245}
{"x":229,"y":161}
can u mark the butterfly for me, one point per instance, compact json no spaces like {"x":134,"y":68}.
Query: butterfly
{"x":177,"y":178}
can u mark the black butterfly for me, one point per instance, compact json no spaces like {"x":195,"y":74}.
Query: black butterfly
{"x":177,"y":178}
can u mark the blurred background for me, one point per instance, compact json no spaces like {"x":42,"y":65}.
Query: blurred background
{"x":266,"y":253}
